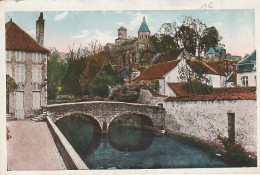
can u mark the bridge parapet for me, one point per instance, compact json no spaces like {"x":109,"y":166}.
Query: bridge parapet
{"x":105,"y":111}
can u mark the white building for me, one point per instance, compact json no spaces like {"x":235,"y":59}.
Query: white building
{"x":176,"y":72}
{"x":246,"y":71}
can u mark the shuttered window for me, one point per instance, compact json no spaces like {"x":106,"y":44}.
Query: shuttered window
{"x":36,"y":74}
{"x":20,"y":73}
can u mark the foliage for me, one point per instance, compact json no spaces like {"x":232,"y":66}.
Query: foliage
{"x":196,"y":81}
{"x":192,"y":34}
{"x":10,"y":84}
{"x":186,"y":34}
{"x":129,"y":91}
{"x":70,"y":82}
{"x":105,"y":78}
{"x":56,"y":71}
{"x":235,"y":155}
{"x":94,"y":64}
{"x":210,"y":37}
{"x":163,"y":42}
{"x":197,"y":87}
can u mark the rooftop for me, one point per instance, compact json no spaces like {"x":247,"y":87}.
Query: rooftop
{"x":18,"y":40}
{"x":180,"y":89}
{"x":172,"y":55}
{"x":144,"y":27}
{"x":157,"y":71}
{"x":232,"y":93}
{"x":247,"y":64}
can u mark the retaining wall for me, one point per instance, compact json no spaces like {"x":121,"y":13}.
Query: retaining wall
{"x":208,"y":119}
{"x":71,"y":159}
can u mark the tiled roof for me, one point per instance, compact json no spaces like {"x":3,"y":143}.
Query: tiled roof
{"x":19,"y":40}
{"x":232,"y":93}
{"x":143,"y":27}
{"x":172,"y":55}
{"x":206,"y":67}
{"x":157,"y":71}
{"x":180,"y":89}
{"x":247,"y":64}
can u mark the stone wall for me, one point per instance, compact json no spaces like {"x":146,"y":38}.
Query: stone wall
{"x":27,"y":86}
{"x":206,"y":120}
{"x":147,"y":98}
{"x":106,"y":111}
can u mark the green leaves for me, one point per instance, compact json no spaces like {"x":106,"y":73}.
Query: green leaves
{"x":10,"y":84}
{"x":105,"y":78}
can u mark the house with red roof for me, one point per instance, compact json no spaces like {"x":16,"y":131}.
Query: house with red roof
{"x":26,"y":63}
{"x":173,"y":74}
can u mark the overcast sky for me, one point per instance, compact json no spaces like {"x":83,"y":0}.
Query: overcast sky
{"x":63,"y":29}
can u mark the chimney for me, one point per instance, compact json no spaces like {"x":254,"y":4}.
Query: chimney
{"x":40,"y":29}
{"x":226,"y":66}
{"x":234,"y":75}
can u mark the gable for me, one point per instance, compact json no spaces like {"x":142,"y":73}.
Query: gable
{"x":157,"y":71}
{"x":18,"y":40}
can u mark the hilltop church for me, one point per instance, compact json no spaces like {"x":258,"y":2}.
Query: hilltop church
{"x":135,"y":51}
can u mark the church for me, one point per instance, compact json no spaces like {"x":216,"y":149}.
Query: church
{"x":135,"y":51}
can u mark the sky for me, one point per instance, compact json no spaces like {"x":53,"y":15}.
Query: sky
{"x":71,"y":29}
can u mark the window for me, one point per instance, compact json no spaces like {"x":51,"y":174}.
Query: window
{"x":19,"y":55}
{"x":9,"y":70}
{"x":244,"y":81}
{"x":37,"y":57}
{"x":20,"y":73}
{"x":8,"y":55}
{"x":36,"y":74}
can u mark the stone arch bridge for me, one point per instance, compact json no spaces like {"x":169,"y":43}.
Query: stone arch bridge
{"x":105,"y":111}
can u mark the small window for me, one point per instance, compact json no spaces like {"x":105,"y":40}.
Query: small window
{"x":8,"y":55}
{"x":244,"y":81}
{"x":9,"y":70}
{"x":20,"y":56}
{"x":36,"y":74}
{"x":37,"y":57}
{"x":20,"y":73}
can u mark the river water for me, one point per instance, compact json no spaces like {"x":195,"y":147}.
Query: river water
{"x":131,"y":148}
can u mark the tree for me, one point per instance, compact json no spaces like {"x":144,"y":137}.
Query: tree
{"x":10,"y":84}
{"x":105,"y":78}
{"x":210,"y":38}
{"x":10,"y":87}
{"x":75,"y":68}
{"x":192,"y":34}
{"x":187,"y":37}
{"x":163,"y":42}
{"x":93,"y":64}
{"x":56,"y":72}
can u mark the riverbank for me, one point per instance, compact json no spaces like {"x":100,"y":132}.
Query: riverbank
{"x":31,"y":147}
{"x":233,"y":155}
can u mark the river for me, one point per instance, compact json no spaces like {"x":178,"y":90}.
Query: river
{"x":125,"y":147}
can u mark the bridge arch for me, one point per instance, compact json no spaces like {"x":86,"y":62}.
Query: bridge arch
{"x":139,"y":114}
{"x":79,"y":113}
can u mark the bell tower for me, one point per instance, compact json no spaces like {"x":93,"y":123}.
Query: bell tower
{"x":143,"y":32}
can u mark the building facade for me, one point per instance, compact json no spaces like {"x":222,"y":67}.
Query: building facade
{"x":26,"y":63}
{"x":246,"y":71}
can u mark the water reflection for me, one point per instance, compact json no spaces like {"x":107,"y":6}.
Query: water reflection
{"x":127,"y":139}
{"x":130,"y":148}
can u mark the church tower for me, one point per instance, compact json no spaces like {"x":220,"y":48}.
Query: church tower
{"x":122,"y":33}
{"x":143,"y":32}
